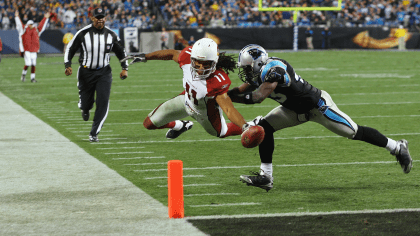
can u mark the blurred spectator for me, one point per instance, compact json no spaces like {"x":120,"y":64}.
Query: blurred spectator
{"x":326,"y":38}
{"x":164,"y":37}
{"x":309,"y":36}
{"x":178,"y":44}
{"x":192,"y":40}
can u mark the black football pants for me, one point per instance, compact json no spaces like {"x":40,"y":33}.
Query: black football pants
{"x":89,"y":82}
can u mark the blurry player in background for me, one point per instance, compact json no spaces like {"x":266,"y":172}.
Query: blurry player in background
{"x":299,"y":102}
{"x":29,"y":38}
{"x":206,"y":82}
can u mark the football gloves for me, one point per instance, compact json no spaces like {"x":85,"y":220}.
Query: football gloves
{"x":273,"y":75}
{"x":136,"y":58}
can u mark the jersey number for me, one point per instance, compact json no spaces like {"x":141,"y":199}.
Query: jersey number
{"x":191,"y":93}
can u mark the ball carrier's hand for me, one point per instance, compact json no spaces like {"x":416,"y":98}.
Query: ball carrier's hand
{"x":68,"y":71}
{"x":136,"y":58}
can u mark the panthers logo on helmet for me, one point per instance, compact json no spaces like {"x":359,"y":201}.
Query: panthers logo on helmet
{"x":255,"y":53}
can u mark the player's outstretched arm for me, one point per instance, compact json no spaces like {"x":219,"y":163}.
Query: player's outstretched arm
{"x":168,"y":54}
{"x":233,"y":115}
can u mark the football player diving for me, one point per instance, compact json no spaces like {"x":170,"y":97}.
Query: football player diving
{"x":300,"y":102}
{"x":206,"y":83}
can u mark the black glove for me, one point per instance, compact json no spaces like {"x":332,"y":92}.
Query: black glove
{"x":274,"y":76}
{"x":233,"y":92}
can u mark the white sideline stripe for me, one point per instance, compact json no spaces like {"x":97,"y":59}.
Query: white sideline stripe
{"x":185,"y":176}
{"x":120,"y":147}
{"x":109,"y":138}
{"x":145,"y":164}
{"x":290,"y":165}
{"x":117,"y":153}
{"x":190,"y":185}
{"x":227,"y":205}
{"x":236,"y":139}
{"x":209,"y":194}
{"x":134,"y":158}
{"x":303,"y":214}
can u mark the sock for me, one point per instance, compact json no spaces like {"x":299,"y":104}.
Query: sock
{"x":267,"y":168}
{"x":24,"y":70}
{"x":392,"y":146}
{"x":371,"y":136}
{"x":177,"y":125}
{"x":33,"y":69}
{"x":32,"y":76}
{"x":266,"y":148}
{"x":148,"y":124}
{"x":232,"y":130}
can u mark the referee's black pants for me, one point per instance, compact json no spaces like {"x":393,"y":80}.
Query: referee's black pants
{"x":89,"y":82}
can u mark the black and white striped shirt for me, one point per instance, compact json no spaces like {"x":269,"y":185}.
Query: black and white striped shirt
{"x":95,"y":46}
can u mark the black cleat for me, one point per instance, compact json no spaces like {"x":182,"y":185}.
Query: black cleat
{"x":23,"y":78}
{"x":403,"y":156}
{"x":33,"y":81}
{"x":172,"y":134}
{"x":260,"y":180}
{"x":85,"y":115}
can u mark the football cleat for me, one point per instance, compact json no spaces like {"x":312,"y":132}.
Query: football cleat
{"x":23,"y":78}
{"x":33,"y":81}
{"x":173,"y":134}
{"x":255,"y":121}
{"x":260,"y":180}
{"x":85,"y":115}
{"x":93,"y":138}
{"x":403,"y":156}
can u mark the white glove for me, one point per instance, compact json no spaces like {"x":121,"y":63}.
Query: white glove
{"x":136,"y":58}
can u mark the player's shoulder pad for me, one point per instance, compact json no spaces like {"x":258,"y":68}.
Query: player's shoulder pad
{"x":272,"y":62}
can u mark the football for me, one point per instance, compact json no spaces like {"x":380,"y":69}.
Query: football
{"x":253,"y":136}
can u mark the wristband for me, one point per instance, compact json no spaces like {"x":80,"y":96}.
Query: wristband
{"x":248,"y":98}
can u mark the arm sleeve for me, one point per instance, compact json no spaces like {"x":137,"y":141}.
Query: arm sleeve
{"x":42,"y":26}
{"x":119,"y":50}
{"x":72,"y":48}
{"x":19,"y":25}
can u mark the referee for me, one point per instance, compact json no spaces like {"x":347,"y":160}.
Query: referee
{"x":95,"y":43}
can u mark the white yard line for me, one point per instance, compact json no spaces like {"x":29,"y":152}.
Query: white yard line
{"x":303,"y":214}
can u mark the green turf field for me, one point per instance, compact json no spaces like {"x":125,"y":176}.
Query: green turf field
{"x":314,"y":169}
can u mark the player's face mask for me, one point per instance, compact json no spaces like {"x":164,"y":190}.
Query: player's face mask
{"x":251,"y":59}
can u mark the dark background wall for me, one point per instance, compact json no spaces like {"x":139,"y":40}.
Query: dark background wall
{"x":234,"y":38}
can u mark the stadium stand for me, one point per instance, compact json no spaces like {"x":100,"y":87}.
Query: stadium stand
{"x":172,"y":14}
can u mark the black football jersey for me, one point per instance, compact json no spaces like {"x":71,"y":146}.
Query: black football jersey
{"x":292,"y":91}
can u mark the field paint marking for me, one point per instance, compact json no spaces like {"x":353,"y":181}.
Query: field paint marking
{"x":227,"y":205}
{"x":287,"y":165}
{"x":134,"y":158}
{"x":233,"y":139}
{"x":117,"y":153}
{"x":303,"y":214}
{"x":185,"y":176}
{"x":354,"y":94}
{"x":87,"y":131}
{"x":377,"y":76}
{"x":209,"y":194}
{"x":145,"y":164}
{"x":120,"y":147}
{"x":190,"y":185}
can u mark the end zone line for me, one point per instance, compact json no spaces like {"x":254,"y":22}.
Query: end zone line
{"x":289,"y":165}
{"x":303,"y":214}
